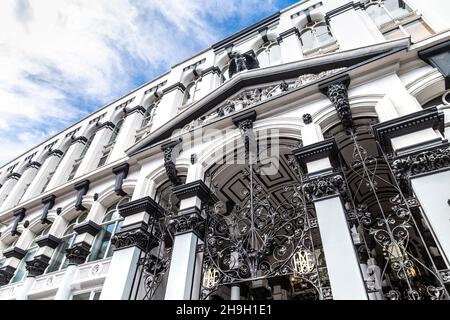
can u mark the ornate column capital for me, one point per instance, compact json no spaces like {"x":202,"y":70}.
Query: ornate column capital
{"x":135,"y":237}
{"x":77,"y":253}
{"x":188,"y":220}
{"x":323,"y":187}
{"x":37,"y":266}
{"x":6,"y":273}
{"x":336,"y":91}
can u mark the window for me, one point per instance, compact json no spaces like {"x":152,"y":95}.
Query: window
{"x":147,"y":120}
{"x":395,"y":20}
{"x":269,"y":54}
{"x":191,"y":93}
{"x":107,"y":148}
{"x":111,"y":224}
{"x":316,"y":37}
{"x":77,"y":162}
{"x":59,"y":261}
{"x":91,"y":295}
{"x":32,"y":249}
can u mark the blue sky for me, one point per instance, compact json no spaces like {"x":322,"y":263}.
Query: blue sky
{"x":62,"y":59}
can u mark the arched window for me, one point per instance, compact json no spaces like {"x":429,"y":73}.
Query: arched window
{"x":77,"y":162}
{"x":191,"y":92}
{"x":316,"y":36}
{"x":59,"y":260}
{"x":269,"y":54}
{"x":147,"y":120}
{"x":395,"y":19}
{"x":21,"y":271}
{"x":111,"y":224}
{"x":107,"y":148}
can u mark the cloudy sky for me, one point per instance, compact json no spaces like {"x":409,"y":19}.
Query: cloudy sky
{"x":62,"y":59}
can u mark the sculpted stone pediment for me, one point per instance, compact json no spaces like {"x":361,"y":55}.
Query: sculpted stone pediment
{"x":251,"y":87}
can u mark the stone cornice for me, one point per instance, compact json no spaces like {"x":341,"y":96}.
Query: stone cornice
{"x":287,"y":33}
{"x":106,"y":124}
{"x":175,"y":86}
{"x":423,"y":119}
{"x":323,"y":149}
{"x":195,"y":189}
{"x":212,"y":69}
{"x":89,"y":227}
{"x":80,"y":139}
{"x":34,"y":164}
{"x":48,"y":240}
{"x":337,"y":11}
{"x":145,"y":204}
{"x":14,"y":252}
{"x":56,"y":152}
{"x":13,"y":175}
{"x":139,"y":109}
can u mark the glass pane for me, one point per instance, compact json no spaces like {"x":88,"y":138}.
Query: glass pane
{"x":418,"y":30}
{"x":394,"y":34}
{"x":96,"y":295}
{"x":101,"y":243}
{"x":397,"y":8}
{"x":275,"y":55}
{"x":307,"y":39}
{"x":378,"y":14}
{"x":59,"y":255}
{"x":82,"y":296}
{"x":21,"y":270}
{"x":263,"y":58}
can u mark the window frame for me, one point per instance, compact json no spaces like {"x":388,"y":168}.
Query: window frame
{"x":317,"y":47}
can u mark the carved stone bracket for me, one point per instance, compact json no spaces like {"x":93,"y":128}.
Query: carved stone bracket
{"x":48,"y":202}
{"x":13,"y":175}
{"x":80,"y":139}
{"x":82,"y":188}
{"x":37,"y":266}
{"x":324,"y":186}
{"x":77,"y":253}
{"x":245,"y":124}
{"x":171,"y":151}
{"x":336,"y":91}
{"x":34,"y":165}
{"x":188,"y":220}
{"x":121,"y":173}
{"x":19,"y":215}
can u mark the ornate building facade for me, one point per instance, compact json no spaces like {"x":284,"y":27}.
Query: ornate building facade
{"x":305,"y":157}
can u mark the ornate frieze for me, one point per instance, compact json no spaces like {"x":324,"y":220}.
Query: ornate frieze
{"x":171,"y":150}
{"x":251,"y":97}
{"x":37,"y":266}
{"x":77,"y":253}
{"x":336,"y":91}
{"x":188,"y":220}
{"x":324,"y":186}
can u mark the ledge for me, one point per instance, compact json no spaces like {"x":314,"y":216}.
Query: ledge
{"x":145,"y":204}
{"x":195,"y":189}
{"x":323,"y":149}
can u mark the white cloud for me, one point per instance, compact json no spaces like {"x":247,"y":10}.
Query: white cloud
{"x":57,"y":55}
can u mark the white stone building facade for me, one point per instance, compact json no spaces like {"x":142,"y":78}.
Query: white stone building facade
{"x":305,"y":157}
